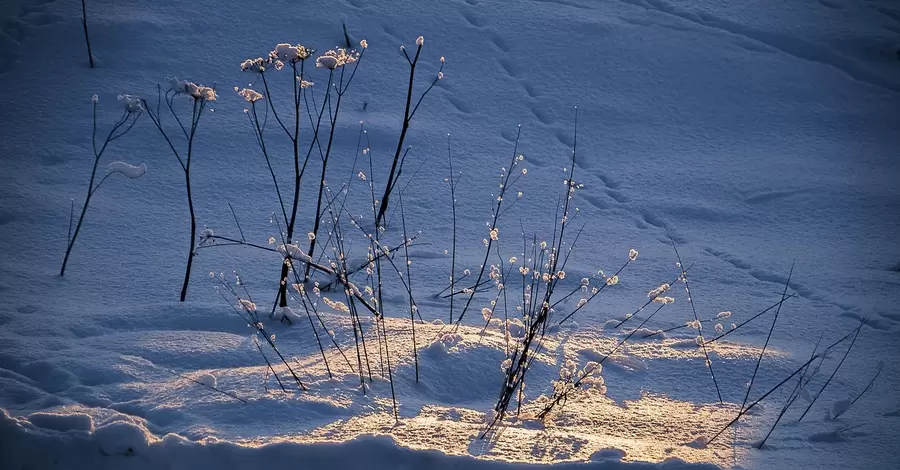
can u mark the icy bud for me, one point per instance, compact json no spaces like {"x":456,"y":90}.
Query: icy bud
{"x":513,"y":260}
{"x":363,"y":44}
{"x":420,"y":41}
{"x":95,"y":98}
{"x":130,"y":171}
{"x":247,"y":305}
{"x":723,"y":315}
{"x":632,"y":254}
{"x":311,"y":236}
{"x":486,"y":313}
{"x":719,"y":328}
{"x":494,"y":234}
{"x":506,"y":364}
{"x":442,"y":59}
{"x":612,"y":281}
{"x":132,"y":104}
{"x":664,"y":300}
{"x":440,"y":75}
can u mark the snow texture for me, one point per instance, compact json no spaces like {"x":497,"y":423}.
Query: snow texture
{"x":748,"y":133}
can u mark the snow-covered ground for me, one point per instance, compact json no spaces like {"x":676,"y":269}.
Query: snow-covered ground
{"x":757,"y":132}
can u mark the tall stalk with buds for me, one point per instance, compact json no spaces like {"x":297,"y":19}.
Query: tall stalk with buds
{"x":199,"y":96}
{"x":408,"y":114}
{"x":132,"y":111}
{"x":294,"y":57}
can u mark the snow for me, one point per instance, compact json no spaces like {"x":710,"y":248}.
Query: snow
{"x":208,"y":380}
{"x":128,"y":170}
{"x":840,"y":407}
{"x":753,"y":133}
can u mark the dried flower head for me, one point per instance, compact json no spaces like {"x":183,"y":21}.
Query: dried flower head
{"x":363,"y":44}
{"x":132,"y":104}
{"x":336,"y":58}
{"x":251,"y":96}
{"x":257,"y":65}
{"x":289,"y":53}
{"x":95,"y":98}
{"x":632,"y":254}
{"x":659,"y":290}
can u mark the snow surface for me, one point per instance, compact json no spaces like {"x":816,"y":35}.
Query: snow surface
{"x":756,"y":132}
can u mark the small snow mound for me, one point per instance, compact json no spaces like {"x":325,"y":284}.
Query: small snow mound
{"x":611,"y":324}
{"x":286,"y":312}
{"x":123,"y":438}
{"x":208,"y":380}
{"x":533,"y":424}
{"x":608,"y":454}
{"x":130,"y":171}
{"x":62,"y":422}
{"x":628,"y":363}
{"x":443,"y":344}
{"x":840,"y":407}
{"x":647,"y":333}
{"x":698,"y":443}
{"x":757,"y":410}
{"x":684,"y":343}
{"x":515,"y":328}
{"x":894,"y":414}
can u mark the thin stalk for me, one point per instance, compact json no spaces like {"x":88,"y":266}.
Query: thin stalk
{"x":768,"y":337}
{"x":114,"y":133}
{"x":802,"y":367}
{"x":412,"y":303}
{"x":822,"y":390}
{"x":791,"y":398}
{"x":453,"y":212}
{"x":687,"y":289}
{"x":408,"y":113}
{"x":87,"y":39}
